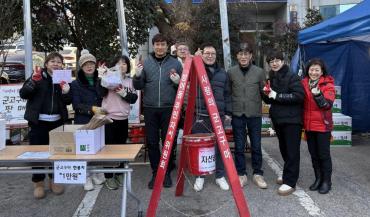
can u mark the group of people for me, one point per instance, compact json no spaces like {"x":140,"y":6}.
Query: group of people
{"x":238,"y":93}
{"x":46,"y":109}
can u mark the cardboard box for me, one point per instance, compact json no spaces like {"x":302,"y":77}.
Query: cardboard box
{"x":342,"y":122}
{"x":2,"y":134}
{"x":62,"y":140}
{"x":341,"y":138}
{"x":338,"y":92}
{"x":90,"y":141}
{"x":337,"y":106}
{"x":266,"y":123}
{"x":265,"y":108}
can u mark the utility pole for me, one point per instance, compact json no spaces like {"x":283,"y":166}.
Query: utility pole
{"x":122,"y":26}
{"x":225,"y":34}
{"x":27,"y":37}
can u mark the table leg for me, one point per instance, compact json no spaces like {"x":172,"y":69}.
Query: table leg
{"x":124,"y":195}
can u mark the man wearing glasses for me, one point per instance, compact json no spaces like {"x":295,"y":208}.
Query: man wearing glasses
{"x":247,"y":81}
{"x":220,"y":88}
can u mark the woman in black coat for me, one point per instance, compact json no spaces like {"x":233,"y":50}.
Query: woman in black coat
{"x":86,"y":101}
{"x":285,"y":93}
{"x":45,"y":110}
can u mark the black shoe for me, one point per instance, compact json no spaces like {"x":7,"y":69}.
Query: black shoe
{"x":316,"y":185}
{"x":167,"y":183}
{"x":151,"y":182}
{"x":325,"y":187}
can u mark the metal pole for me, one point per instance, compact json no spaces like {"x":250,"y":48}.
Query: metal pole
{"x":122,"y":26}
{"x":225,"y":34}
{"x":27,"y":37}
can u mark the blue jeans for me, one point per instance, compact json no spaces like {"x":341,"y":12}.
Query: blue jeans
{"x":204,"y":125}
{"x":254,"y":125}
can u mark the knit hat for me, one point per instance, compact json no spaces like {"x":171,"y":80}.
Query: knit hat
{"x":86,"y":57}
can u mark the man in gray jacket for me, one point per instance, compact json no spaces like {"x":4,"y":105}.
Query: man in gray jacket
{"x":247,"y":82}
{"x":158,"y":77}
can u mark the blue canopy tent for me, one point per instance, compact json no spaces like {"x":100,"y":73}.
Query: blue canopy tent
{"x":343,"y":42}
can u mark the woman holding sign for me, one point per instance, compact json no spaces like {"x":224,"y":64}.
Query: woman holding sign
{"x":119,"y":93}
{"x":45,"y":110}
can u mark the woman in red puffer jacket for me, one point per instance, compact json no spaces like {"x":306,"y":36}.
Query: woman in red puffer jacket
{"x":318,"y":122}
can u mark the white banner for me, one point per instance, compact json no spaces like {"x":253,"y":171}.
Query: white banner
{"x":134,"y":116}
{"x":12,"y":107}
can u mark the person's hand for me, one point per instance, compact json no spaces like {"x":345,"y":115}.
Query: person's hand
{"x":267,"y":88}
{"x":315,"y":91}
{"x":122,"y":91}
{"x":139,"y":70}
{"x":102,"y":70}
{"x":65,"y":87}
{"x":198,"y":52}
{"x":175,"y":78}
{"x":227,"y":119}
{"x":98,"y":110}
{"x":36,"y":76}
{"x":272,"y":94}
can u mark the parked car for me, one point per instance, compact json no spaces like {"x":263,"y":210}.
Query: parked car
{"x":14,"y":66}
{"x":70,"y":57}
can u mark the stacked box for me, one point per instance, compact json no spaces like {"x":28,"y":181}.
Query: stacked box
{"x":265,"y":108}
{"x":337,"y":106}
{"x":342,"y":130}
{"x":62,"y":140}
{"x":338,"y":92}
{"x":266,"y":123}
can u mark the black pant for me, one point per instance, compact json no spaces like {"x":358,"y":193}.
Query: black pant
{"x":157,"y":121}
{"x":116,"y":133}
{"x":289,"y":136}
{"x":39,"y":135}
{"x":319,"y":148}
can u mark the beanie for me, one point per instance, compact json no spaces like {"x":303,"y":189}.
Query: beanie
{"x":86,"y":57}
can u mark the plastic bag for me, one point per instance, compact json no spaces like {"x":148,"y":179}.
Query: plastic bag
{"x":112,"y":78}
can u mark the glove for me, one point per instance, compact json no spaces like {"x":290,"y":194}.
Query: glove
{"x":267,"y":88}
{"x":175,"y":78}
{"x":121,"y":91}
{"x":36,"y":76}
{"x":65,"y":87}
{"x":272,"y":94}
{"x":315,"y":91}
{"x":227,"y":119}
{"x":139,"y":70}
{"x":98,"y":110}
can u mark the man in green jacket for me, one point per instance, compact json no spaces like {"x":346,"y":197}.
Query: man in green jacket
{"x":247,"y":81}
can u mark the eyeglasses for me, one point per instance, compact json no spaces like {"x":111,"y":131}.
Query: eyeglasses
{"x":277,"y":61}
{"x":209,"y":54}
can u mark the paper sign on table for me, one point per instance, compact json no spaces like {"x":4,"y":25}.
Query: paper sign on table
{"x":62,"y":75}
{"x":70,"y":172}
{"x":34,"y":155}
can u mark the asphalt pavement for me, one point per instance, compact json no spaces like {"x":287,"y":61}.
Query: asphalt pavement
{"x":350,"y":195}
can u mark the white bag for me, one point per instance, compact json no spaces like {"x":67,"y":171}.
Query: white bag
{"x":112,"y":78}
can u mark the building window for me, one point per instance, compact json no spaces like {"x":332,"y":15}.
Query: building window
{"x":329,"y":11}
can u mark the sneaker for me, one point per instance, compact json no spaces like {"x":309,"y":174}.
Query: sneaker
{"x":111,"y":184}
{"x":243,"y":180}
{"x":151,"y":182}
{"x":119,"y":179}
{"x":279,"y":180}
{"x":98,"y":178}
{"x":259,"y":181}
{"x":285,"y":190}
{"x":198,"y":185}
{"x":89,"y":186}
{"x":222,"y":183}
{"x":167,"y":183}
